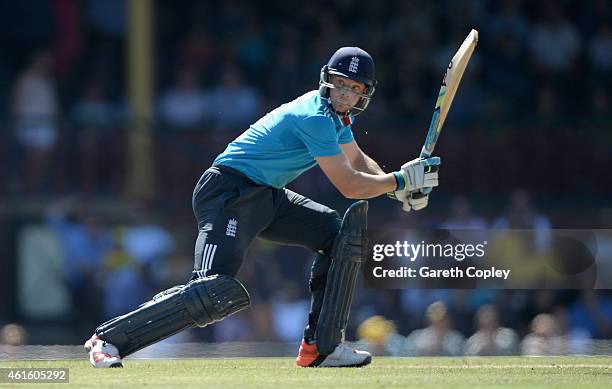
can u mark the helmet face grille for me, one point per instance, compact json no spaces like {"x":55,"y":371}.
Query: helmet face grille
{"x":325,"y":86}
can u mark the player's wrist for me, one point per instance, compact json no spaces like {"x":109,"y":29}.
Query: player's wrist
{"x":400,"y":180}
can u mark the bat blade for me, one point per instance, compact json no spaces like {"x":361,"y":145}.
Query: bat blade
{"x":450,"y":83}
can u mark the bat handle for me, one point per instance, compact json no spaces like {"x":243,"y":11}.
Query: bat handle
{"x":417,"y":195}
{"x":420,"y":194}
{"x":424,"y":191}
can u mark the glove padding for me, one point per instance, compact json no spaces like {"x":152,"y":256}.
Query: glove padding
{"x":418,"y":173}
{"x":409,"y":203}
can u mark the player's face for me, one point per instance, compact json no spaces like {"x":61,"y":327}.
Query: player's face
{"x":345,"y":93}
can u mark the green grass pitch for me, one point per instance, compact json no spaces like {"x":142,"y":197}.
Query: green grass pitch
{"x":456,"y":373}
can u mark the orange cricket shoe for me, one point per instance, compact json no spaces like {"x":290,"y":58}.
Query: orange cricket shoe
{"x":342,"y":356}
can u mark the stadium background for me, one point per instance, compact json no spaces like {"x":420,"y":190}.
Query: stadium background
{"x":102,"y":140}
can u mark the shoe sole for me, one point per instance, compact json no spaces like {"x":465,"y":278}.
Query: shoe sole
{"x":318,"y":361}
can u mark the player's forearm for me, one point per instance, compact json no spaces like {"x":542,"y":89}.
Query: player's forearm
{"x":366,"y":164}
{"x":353,"y":183}
{"x":366,"y":185}
{"x":372,"y":166}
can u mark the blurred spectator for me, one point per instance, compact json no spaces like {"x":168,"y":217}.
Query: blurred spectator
{"x":12,"y":337}
{"x":94,"y":117}
{"x":185,"y":104}
{"x":576,"y":340}
{"x":86,"y":241}
{"x":262,"y":321}
{"x":13,"y":334}
{"x":509,"y":21}
{"x":250,"y":325}
{"x":93,"y":109}
{"x":124,"y":283}
{"x":107,"y":17}
{"x":544,"y":337}
{"x":380,"y":336}
{"x":505,"y":34}
{"x":104,"y":28}
{"x":555,"y":41}
{"x":253,"y":51}
{"x":147,"y":242}
{"x":234,"y":102}
{"x":521,"y":214}
{"x":439,"y":337}
{"x":35,"y":109}
{"x":197,"y":51}
{"x":490,"y":338}
{"x":185,"y":110}
{"x":600,"y":51}
{"x":555,"y":48}
{"x":289,"y":312}
{"x":462,"y":216}
{"x":414,"y":303}
{"x":592,"y":312}
{"x":236,"y":328}
{"x":286,"y":81}
{"x":599,"y":54}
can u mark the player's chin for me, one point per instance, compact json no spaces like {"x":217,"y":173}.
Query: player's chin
{"x":341,"y":108}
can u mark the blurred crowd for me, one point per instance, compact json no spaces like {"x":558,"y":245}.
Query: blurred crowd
{"x":560,"y":331}
{"x":80,"y":268}
{"x":533,"y":111}
{"x":540,"y":82}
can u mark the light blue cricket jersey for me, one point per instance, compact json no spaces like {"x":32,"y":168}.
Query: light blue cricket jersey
{"x":283,"y":144}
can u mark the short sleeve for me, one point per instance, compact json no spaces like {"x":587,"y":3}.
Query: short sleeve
{"x":319,"y":135}
{"x":346,"y":135}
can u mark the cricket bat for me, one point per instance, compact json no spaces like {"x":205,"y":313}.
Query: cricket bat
{"x":450,"y":83}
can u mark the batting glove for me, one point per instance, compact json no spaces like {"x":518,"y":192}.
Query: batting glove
{"x":415,"y":175}
{"x":416,"y":203}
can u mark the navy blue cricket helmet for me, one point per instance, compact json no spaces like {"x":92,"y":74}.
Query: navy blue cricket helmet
{"x":353,"y":63}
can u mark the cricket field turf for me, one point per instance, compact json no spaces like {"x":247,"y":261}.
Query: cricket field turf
{"x":517,"y":372}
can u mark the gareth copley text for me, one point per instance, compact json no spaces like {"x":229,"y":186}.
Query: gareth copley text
{"x":412,"y":251}
{"x":426,"y":272}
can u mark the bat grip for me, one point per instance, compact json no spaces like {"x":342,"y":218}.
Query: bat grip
{"x":417,"y":195}
{"x":420,"y":194}
{"x":425,"y":191}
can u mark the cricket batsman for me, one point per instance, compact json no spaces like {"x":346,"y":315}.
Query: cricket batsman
{"x":243,"y":196}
